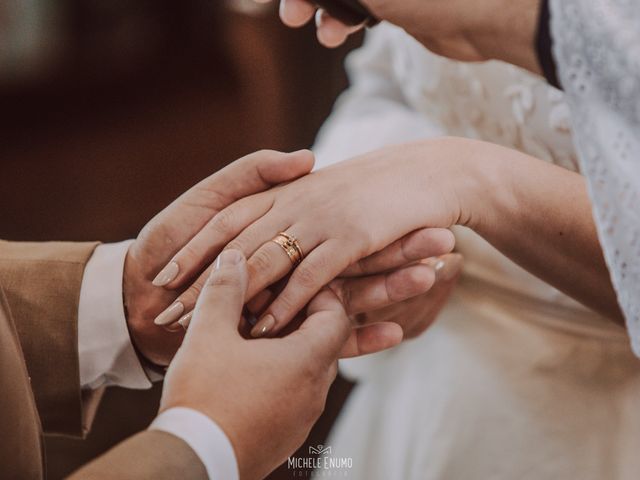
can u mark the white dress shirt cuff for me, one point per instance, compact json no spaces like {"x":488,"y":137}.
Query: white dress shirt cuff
{"x":107,"y":356}
{"x":204,"y":437}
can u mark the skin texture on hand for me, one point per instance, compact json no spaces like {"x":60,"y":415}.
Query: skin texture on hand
{"x":265,"y":394}
{"x":170,"y":230}
{"x":382,"y":279}
{"x":415,"y":315}
{"x":395,"y":277}
{"x":459,"y":29}
{"x":352,"y":222}
{"x":534,"y":212}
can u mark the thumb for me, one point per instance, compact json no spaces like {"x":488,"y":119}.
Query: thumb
{"x":323,"y":334}
{"x":262,"y":170}
{"x":219,"y":306}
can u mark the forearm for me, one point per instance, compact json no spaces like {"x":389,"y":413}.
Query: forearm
{"x":540,"y":216}
{"x":510,"y":36}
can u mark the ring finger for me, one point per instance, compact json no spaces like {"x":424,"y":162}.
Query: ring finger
{"x":271,"y":262}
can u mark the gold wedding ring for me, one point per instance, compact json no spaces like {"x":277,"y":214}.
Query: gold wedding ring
{"x":290,"y":245}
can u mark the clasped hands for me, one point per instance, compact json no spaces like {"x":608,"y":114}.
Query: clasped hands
{"x":368,"y":265}
{"x":365,"y":260}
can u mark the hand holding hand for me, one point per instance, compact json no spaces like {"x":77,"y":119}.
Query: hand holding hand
{"x":175,"y":226}
{"x":265,"y":394}
{"x":344,"y":225}
{"x":171,"y":229}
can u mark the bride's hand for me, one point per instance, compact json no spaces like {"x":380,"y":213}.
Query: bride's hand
{"x":340,"y":215}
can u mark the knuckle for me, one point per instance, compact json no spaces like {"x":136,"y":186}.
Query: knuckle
{"x":189,"y":297}
{"x":408,"y":249}
{"x":224,"y":279}
{"x":286,"y":302}
{"x":235,"y":244}
{"x":224,"y":222}
{"x":207,"y":194}
{"x":306,"y":276}
{"x":189,"y":253}
{"x":346,"y":297}
{"x":361,"y":265}
{"x":267,"y":152}
{"x":258,"y":158}
{"x":365,"y":237}
{"x":260,"y":262}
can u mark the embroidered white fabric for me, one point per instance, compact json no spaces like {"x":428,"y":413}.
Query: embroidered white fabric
{"x":597,"y":48}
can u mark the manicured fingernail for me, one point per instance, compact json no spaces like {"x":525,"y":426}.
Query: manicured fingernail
{"x":228,"y":258}
{"x":448,"y":266}
{"x":186,"y":320}
{"x":263,"y":327}
{"x":170,"y":315}
{"x":166,"y":275}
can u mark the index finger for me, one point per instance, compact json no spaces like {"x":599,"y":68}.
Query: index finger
{"x":205,"y":205}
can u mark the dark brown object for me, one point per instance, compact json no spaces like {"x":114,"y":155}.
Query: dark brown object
{"x":350,"y":12}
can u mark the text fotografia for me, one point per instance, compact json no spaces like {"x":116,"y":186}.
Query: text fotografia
{"x":320,"y":463}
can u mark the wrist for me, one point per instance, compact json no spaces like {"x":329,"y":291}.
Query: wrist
{"x":493,"y":179}
{"x":142,"y":303}
{"x":477,"y":178}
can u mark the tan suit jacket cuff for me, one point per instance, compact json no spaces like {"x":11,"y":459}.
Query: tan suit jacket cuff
{"x":42,"y":283}
{"x":150,"y":454}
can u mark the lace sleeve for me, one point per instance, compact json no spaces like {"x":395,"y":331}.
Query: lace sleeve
{"x":597,"y":49}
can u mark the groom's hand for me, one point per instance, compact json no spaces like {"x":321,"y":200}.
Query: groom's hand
{"x":170,"y":230}
{"x":265,"y":394}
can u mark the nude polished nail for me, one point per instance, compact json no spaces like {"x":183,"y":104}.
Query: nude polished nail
{"x":186,"y":320}
{"x":166,"y":275}
{"x":264,"y":326}
{"x":170,"y":315}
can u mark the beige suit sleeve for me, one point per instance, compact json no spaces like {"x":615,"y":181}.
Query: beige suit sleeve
{"x":150,"y":454}
{"x":42,"y":285}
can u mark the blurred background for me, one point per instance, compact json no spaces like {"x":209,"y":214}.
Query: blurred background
{"x":112,"y":108}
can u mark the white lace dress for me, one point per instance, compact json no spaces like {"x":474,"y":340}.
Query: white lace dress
{"x":515,"y":380}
